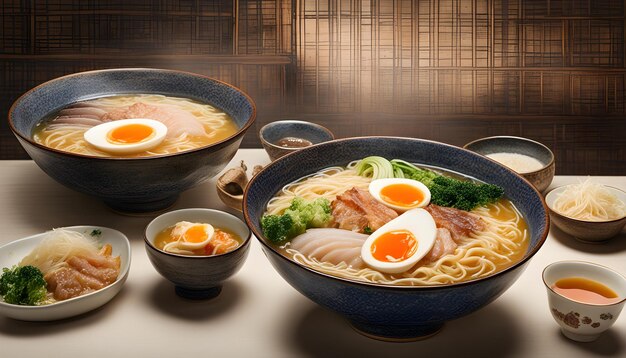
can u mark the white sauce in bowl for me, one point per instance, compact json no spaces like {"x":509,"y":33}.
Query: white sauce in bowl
{"x":521,"y":163}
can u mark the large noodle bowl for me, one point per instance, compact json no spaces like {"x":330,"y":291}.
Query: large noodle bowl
{"x":502,"y":243}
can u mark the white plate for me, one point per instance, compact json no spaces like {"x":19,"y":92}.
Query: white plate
{"x":12,"y":253}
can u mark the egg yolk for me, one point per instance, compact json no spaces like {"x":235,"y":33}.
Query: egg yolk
{"x":195,"y":234}
{"x":402,"y":195}
{"x":130,"y":133}
{"x":394,"y":246}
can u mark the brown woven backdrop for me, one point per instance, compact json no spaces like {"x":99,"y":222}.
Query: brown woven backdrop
{"x":451,"y":70}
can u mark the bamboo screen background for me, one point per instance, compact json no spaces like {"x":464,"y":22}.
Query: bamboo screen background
{"x":451,"y":71}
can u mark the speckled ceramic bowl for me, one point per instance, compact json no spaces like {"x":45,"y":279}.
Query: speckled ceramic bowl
{"x":587,"y":231}
{"x":540,"y":178}
{"x":273,"y":132}
{"x":131,"y":184}
{"x":383,"y":311}
{"x":197,"y":277}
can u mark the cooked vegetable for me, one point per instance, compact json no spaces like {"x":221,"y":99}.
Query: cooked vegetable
{"x":23,"y":285}
{"x":300,"y":215}
{"x":375,"y":167}
{"x":445,"y":191}
{"x":464,"y":195}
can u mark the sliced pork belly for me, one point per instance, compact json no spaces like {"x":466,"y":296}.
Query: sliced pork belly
{"x":357,"y":209}
{"x":331,"y":245}
{"x":176,"y":120}
{"x":460,"y":223}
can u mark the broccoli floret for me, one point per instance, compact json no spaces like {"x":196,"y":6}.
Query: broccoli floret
{"x":300,"y":216}
{"x":277,"y":227}
{"x":23,"y":285}
{"x":464,"y":195}
{"x":312,"y":214}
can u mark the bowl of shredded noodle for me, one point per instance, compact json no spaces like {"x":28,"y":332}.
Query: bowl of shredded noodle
{"x":326,"y":258}
{"x":134,"y":138}
{"x":589,"y":211}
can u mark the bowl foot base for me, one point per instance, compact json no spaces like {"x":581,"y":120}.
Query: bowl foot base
{"x":397,"y":333}
{"x":141,"y":207}
{"x":580,"y":337}
{"x":198,"y":294}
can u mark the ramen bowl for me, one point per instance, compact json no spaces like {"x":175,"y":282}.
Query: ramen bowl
{"x":197,"y":277}
{"x":131,"y":184}
{"x":540,"y":177}
{"x":388,"y":312}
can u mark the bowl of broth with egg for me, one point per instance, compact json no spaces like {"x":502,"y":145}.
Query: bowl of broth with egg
{"x":197,"y":249}
{"x":397,"y":235}
{"x":134,"y":138}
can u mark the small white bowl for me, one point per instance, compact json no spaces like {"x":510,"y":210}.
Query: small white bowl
{"x":583,"y":322}
{"x":12,"y":253}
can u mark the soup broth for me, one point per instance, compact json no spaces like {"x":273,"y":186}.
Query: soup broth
{"x":585,"y":290}
{"x":190,"y":124}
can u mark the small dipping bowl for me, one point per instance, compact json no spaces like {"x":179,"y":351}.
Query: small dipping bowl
{"x":287,"y":136}
{"x":540,"y":178}
{"x":583,"y":322}
{"x":197,"y":277}
{"x":585,"y":230}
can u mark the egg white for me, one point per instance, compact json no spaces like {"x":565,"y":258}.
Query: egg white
{"x":377,"y":185}
{"x":417,"y":221}
{"x":179,"y":232}
{"x":97,"y":136}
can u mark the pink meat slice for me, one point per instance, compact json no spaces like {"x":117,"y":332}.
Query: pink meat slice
{"x":357,"y":209}
{"x":177,"y":121}
{"x":460,"y":223}
{"x":82,"y":276}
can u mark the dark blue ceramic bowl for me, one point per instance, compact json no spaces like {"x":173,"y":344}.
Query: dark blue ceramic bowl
{"x":131,"y":184}
{"x":383,"y":311}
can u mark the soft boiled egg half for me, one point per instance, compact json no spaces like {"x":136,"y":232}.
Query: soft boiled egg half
{"x":127,"y":136}
{"x":190,"y":236}
{"x":400,"y":194}
{"x":399,"y":244}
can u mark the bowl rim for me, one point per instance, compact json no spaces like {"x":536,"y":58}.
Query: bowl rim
{"x":544,"y":167}
{"x":121,"y":277}
{"x":581,"y":263}
{"x":245,"y":240}
{"x":554,"y":190}
{"x":292,"y":121}
{"x":261,"y":238}
{"x":240,"y":131}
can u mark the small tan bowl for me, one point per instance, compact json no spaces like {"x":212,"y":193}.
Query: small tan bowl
{"x":583,"y":230}
{"x":540,"y":178}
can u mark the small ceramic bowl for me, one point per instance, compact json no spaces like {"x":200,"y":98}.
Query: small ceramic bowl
{"x":197,"y":277}
{"x":540,"y":178}
{"x":12,"y":253}
{"x":291,"y":131}
{"x":583,"y":322}
{"x":587,"y":231}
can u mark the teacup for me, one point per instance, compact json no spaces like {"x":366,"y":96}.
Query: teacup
{"x":579,"y":319}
